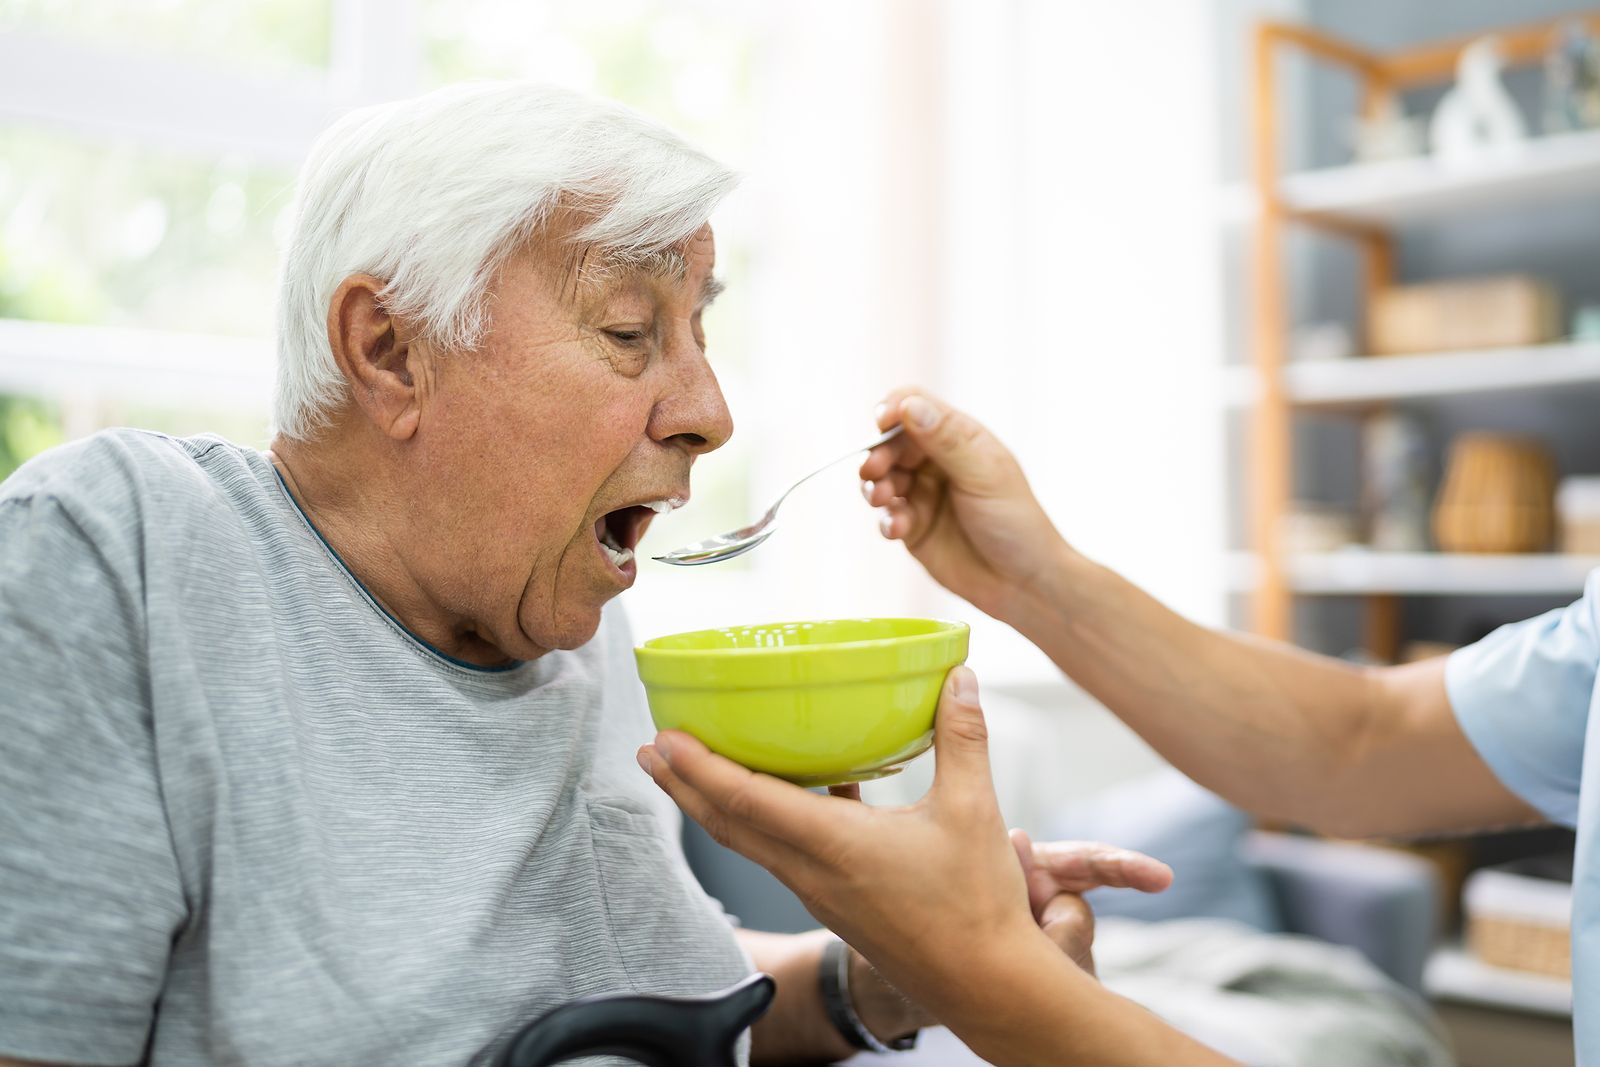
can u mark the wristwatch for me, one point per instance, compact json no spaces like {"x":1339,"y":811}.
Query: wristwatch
{"x":833,"y":975}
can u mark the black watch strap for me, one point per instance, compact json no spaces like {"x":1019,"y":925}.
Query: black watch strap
{"x":833,"y":975}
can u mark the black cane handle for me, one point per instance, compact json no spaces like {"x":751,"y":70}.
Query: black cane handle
{"x":655,"y":1031}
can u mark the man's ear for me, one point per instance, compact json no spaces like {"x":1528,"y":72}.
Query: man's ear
{"x":376,"y":356}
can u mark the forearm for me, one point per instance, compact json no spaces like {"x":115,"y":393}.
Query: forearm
{"x":1276,"y":730}
{"x":797,"y":1029}
{"x":1279,"y":731}
{"x":1032,"y":1007}
{"x":1023,"y":1006}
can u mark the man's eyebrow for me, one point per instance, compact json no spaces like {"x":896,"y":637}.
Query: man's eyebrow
{"x":709,"y":291}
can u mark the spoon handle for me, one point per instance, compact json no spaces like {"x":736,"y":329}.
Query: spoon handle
{"x":883,"y":438}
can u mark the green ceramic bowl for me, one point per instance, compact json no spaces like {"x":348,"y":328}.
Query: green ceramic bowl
{"x":818,"y":703}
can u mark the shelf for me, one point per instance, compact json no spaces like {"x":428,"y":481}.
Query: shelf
{"x":1357,"y":571}
{"x":1367,"y":380}
{"x":1451,"y":974}
{"x":1541,"y":171}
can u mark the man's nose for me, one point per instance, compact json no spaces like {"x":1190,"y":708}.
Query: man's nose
{"x":691,"y":412}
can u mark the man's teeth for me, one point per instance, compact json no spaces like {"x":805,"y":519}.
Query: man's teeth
{"x":608,"y":541}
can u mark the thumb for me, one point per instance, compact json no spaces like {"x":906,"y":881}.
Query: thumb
{"x":1023,"y":845}
{"x":954,"y":440}
{"x":1041,"y":887}
{"x":961,"y":738}
{"x":1069,"y":921}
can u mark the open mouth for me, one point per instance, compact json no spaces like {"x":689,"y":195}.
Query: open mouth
{"x":619,"y":532}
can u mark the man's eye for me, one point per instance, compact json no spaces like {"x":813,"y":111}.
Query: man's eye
{"x":626,"y":337}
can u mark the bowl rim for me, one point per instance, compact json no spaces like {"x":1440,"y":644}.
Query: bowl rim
{"x":946,"y":628}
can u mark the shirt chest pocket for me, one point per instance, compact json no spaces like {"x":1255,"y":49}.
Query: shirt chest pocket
{"x":672,"y":939}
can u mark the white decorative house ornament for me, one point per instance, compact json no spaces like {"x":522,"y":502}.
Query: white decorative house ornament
{"x":1478,"y":116}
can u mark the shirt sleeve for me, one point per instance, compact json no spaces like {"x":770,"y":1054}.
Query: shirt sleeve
{"x":90,"y":896}
{"x":1523,"y":696}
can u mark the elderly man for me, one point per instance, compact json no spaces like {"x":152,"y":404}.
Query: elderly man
{"x":325,"y":755}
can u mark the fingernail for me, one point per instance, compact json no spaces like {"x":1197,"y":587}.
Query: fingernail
{"x":643,"y":757}
{"x":885,"y":521}
{"x":664,"y":748}
{"x":964,"y":685}
{"x":879,"y":412}
{"x":866,"y":491}
{"x":921,"y":413}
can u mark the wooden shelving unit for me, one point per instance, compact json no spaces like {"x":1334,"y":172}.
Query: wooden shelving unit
{"x":1365,"y":204}
{"x":1496,"y":1017}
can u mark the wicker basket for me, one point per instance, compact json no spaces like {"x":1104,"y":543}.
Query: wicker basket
{"x":1519,"y":945}
{"x":1498,"y":496}
{"x":1519,"y":922}
{"x":1447,"y":316}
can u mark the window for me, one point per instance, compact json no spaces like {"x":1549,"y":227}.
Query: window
{"x":932,"y":196}
{"x":277,"y":36}
{"x":118,"y":233}
{"x":138,"y":242}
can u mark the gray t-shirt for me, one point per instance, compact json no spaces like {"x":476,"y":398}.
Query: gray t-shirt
{"x":246,"y":818}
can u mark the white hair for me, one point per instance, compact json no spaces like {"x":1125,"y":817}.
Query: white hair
{"x":432,"y":194}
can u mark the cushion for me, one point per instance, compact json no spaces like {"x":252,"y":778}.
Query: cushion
{"x":1197,"y":833}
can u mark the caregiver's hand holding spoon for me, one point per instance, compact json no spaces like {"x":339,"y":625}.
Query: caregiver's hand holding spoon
{"x":933,"y":895}
{"x":959,"y":501}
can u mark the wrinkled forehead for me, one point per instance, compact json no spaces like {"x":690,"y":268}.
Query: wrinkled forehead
{"x":589,"y":272}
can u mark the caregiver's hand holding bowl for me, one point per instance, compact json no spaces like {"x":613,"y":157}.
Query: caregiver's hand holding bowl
{"x":934,"y":896}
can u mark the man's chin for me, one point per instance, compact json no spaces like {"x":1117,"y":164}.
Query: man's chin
{"x":572,"y":631}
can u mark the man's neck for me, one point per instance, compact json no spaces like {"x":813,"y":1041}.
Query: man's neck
{"x":364,"y":522}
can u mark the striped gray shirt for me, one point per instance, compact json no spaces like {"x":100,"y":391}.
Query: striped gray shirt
{"x":246,"y":818}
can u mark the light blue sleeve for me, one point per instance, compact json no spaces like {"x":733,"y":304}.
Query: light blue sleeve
{"x":1523,"y":696}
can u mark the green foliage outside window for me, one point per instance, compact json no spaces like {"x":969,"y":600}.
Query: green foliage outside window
{"x":27,"y":427}
{"x":109,"y":232}
{"x":282,"y":35}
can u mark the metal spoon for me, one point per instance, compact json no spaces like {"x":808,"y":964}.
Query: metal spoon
{"x":738,"y":542}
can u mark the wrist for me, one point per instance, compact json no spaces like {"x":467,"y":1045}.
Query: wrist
{"x":1000,"y":1007}
{"x":882,"y":1008}
{"x":858,"y":1003}
{"x":1039,"y":603}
